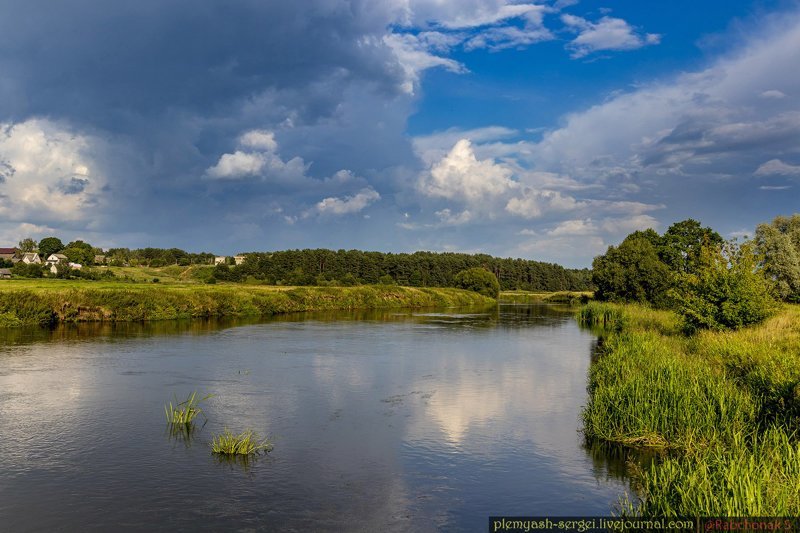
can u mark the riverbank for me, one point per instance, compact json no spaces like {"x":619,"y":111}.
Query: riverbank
{"x":722,"y":407}
{"x":48,"y":302}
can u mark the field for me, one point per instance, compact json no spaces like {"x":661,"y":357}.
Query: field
{"x":721,"y":408}
{"x":49,"y":301}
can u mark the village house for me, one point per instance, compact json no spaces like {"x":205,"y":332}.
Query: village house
{"x":54,"y":259}
{"x":8,"y":253}
{"x":219,"y":260}
{"x":31,"y":258}
{"x":5,"y":273}
{"x":239,"y":259}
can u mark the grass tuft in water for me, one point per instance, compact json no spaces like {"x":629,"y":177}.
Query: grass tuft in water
{"x":607,"y":316}
{"x":246,"y":443}
{"x":186,"y":411}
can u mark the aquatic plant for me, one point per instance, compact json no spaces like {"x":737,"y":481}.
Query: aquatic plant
{"x":186,"y":411}
{"x":725,"y":404}
{"x":246,"y":443}
{"x":607,"y":316}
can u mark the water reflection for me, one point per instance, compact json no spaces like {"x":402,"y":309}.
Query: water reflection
{"x":382,"y":420}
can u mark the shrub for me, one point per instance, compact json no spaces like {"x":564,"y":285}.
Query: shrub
{"x":478,"y":280}
{"x":727,"y":292}
{"x":246,"y":443}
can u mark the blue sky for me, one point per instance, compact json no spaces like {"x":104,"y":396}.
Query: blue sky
{"x":543,"y":130}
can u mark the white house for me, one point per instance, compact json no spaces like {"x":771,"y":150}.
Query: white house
{"x":54,"y":259}
{"x":239,"y":259}
{"x":31,"y":258}
{"x":219,"y":260}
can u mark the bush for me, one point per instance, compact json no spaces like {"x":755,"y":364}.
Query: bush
{"x":727,"y":292}
{"x":478,"y":280}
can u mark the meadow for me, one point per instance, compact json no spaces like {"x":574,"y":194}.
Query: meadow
{"x":49,"y":301}
{"x":721,"y":408}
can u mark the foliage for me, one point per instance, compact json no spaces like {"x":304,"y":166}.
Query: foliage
{"x":632,"y":272}
{"x":478,"y":280}
{"x":186,"y":411}
{"x":246,"y":443}
{"x":26,"y":270}
{"x":49,"y":246}
{"x":601,"y":314}
{"x":779,"y":245}
{"x":726,"y":292}
{"x":79,"y":252}
{"x":680,"y":247}
{"x":27,"y":245}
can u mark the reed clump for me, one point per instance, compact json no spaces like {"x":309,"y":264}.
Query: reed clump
{"x":185,"y":412}
{"x":722,"y":406}
{"x":245,"y":443}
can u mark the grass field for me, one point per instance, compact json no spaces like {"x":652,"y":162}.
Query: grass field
{"x":723,"y":407}
{"x":49,"y":301}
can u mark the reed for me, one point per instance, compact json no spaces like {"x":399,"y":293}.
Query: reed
{"x":245,"y":443}
{"x":722,"y":406}
{"x":185,"y":412}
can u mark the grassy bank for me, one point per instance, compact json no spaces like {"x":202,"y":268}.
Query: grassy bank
{"x":723,"y":406}
{"x":560,"y":297}
{"x":48,"y":302}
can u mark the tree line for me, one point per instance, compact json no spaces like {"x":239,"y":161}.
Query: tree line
{"x":712,"y":283}
{"x":418,"y":269}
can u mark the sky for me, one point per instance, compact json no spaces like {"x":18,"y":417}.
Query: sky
{"x":544,"y":130}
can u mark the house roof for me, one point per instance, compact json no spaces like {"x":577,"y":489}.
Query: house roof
{"x":57,"y":256}
{"x":5,"y":271}
{"x":8,"y":250}
{"x":29,"y":254}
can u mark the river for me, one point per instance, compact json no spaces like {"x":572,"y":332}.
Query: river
{"x":381,"y":421}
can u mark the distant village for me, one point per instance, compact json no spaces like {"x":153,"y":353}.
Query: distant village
{"x":50,"y":256}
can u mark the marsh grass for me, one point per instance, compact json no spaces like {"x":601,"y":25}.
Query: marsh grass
{"x":603,"y":315}
{"x":244,"y":444}
{"x":722,"y":409}
{"x":184,"y":413}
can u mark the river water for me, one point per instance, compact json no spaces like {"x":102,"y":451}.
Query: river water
{"x":381,"y":421}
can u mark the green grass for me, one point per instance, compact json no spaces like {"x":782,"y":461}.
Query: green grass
{"x":185,"y":412}
{"x":245,"y":443}
{"x":46,"y":302}
{"x":563,"y":297}
{"x":722,"y":406}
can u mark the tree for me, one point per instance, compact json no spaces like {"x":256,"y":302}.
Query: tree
{"x":727,"y":290}
{"x":632,"y":272}
{"x":79,"y":252}
{"x":49,"y":246}
{"x":478,"y":280}
{"x":27,"y":245}
{"x":779,"y":245}
{"x":680,"y":246}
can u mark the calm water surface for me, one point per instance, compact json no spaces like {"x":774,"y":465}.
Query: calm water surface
{"x":382,"y":421}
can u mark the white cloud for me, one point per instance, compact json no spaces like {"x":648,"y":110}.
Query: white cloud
{"x":348,"y":204}
{"x":262,"y":161}
{"x":773,"y":93}
{"x":608,"y":33}
{"x":533,"y":204}
{"x":260,"y":140}
{"x":47,"y":173}
{"x":413,"y":53}
{"x":238,"y":164}
{"x":461,"y":176}
{"x":777,"y":167}
{"x":574,"y":227}
{"x":448,"y":218}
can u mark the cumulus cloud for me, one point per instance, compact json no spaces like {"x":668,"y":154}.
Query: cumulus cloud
{"x":49,"y":174}
{"x":262,"y":162}
{"x":533,"y":204}
{"x":574,"y":227}
{"x":776,"y":167}
{"x":348,"y":204}
{"x":461,"y":176}
{"x":414,"y":54}
{"x":608,"y":33}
